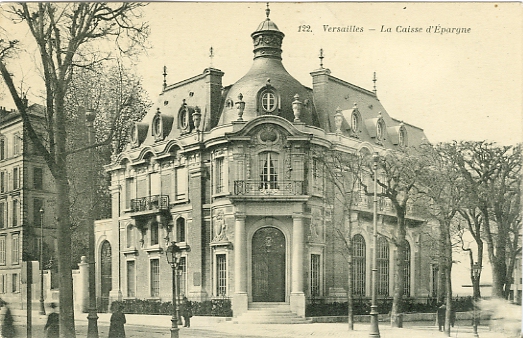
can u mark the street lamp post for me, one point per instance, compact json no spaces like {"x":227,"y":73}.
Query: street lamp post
{"x":374,"y":328}
{"x":476,"y":272}
{"x":173,"y":254}
{"x":42,"y":307}
{"x":92,"y":317}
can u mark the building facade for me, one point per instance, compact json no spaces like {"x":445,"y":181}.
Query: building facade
{"x":233,"y":173}
{"x":27,"y":202}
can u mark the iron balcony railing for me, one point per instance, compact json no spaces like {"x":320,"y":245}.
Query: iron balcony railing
{"x":268,"y":188}
{"x":154,"y":202}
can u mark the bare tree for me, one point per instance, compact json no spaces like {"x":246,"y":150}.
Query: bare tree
{"x":399,"y":176}
{"x":441,"y":194}
{"x":493,"y":174}
{"x":67,"y":36}
{"x":342,"y":171}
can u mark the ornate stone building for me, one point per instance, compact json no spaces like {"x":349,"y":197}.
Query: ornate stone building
{"x":230,"y":171}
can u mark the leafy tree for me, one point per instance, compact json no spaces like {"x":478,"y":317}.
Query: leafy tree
{"x":67,"y":36}
{"x":113,"y":92}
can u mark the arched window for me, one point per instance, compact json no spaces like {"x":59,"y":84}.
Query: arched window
{"x":406,"y":271}
{"x":383,"y":266}
{"x":153,"y":227}
{"x":269,"y":173}
{"x":180,"y":230}
{"x":130,"y":236}
{"x":358,"y":267}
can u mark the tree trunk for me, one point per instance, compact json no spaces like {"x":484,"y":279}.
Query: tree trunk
{"x":447,"y":252}
{"x":399,"y":277}
{"x":350,"y":298}
{"x":67,"y":328}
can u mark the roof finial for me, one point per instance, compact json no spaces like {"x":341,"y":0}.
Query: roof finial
{"x":211,"y":54}
{"x":164,"y":77}
{"x":268,"y":11}
{"x":321,"y":57}
{"x":374,"y":80}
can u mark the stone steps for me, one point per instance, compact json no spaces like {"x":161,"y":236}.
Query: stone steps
{"x":269,"y":313}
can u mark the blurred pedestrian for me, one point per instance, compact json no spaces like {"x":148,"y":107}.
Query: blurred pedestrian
{"x":441,"y":317}
{"x":8,"y":328}
{"x":52,"y":327}
{"x":116,"y":328}
{"x":186,"y":311}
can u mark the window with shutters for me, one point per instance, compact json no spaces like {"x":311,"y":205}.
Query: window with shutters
{"x":2,"y":250}
{"x":15,"y":249}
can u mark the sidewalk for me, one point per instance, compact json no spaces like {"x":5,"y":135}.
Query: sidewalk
{"x":154,"y":326}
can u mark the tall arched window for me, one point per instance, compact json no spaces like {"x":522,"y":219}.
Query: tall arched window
{"x":269,"y":173}
{"x":406,"y":271}
{"x":358,"y":267}
{"x":180,"y":230}
{"x":383,"y":266}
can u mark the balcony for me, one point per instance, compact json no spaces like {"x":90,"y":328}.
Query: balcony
{"x":150,"y":203}
{"x":268,"y":188}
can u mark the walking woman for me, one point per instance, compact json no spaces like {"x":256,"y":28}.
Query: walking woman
{"x":116,"y":328}
{"x":8,"y":328}
{"x":52,"y":327}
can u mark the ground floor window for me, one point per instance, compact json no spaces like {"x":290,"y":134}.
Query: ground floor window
{"x":406,"y":271}
{"x":155,"y":278}
{"x":383,"y":267}
{"x":221,"y":275}
{"x":131,"y":275}
{"x":358,"y":267}
{"x":315,"y":275}
{"x":182,"y":275}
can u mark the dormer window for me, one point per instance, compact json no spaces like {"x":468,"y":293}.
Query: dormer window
{"x":268,"y":100}
{"x":355,"y":122}
{"x":403,"y":139}
{"x":380,"y":130}
{"x":157,"y":127}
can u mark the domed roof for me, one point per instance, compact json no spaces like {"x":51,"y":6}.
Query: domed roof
{"x":267,"y":88}
{"x":267,"y":25}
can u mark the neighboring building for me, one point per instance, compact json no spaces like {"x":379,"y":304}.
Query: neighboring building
{"x":230,"y":171}
{"x":26,"y":188}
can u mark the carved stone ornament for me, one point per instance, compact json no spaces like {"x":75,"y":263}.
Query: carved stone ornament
{"x":219,"y":227}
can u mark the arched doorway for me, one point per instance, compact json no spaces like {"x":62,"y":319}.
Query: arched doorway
{"x":268,"y":265}
{"x":106,"y":275}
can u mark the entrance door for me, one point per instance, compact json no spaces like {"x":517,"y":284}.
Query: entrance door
{"x":106,"y":277}
{"x":268,"y":265}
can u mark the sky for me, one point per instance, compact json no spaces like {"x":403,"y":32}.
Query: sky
{"x":465,"y":86}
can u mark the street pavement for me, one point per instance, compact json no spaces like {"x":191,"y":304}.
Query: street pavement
{"x":159,"y":327}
